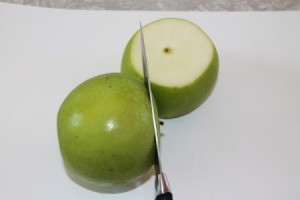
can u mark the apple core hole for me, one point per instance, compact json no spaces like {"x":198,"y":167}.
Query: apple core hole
{"x":167,"y":50}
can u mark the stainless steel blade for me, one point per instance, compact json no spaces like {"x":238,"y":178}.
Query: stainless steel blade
{"x":148,"y":86}
{"x":163,"y":190}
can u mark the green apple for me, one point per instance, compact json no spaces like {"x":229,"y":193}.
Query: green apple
{"x":105,"y":130}
{"x":183,"y":64}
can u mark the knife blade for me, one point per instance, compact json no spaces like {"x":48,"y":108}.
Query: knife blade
{"x":163,"y":188}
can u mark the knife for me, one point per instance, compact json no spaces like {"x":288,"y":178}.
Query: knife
{"x":163,"y":188}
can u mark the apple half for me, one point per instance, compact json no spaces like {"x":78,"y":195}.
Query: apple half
{"x":183,"y":64}
{"x":105,"y":130}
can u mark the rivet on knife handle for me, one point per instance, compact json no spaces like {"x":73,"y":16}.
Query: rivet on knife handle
{"x":163,"y":190}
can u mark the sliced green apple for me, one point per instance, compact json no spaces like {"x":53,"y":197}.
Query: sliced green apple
{"x":183,"y":64}
{"x":105,"y":130}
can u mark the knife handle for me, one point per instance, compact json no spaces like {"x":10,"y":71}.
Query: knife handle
{"x":164,"y":196}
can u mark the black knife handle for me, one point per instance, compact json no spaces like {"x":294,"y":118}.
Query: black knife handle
{"x":164,"y":196}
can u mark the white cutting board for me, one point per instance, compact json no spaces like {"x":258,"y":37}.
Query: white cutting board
{"x":242,"y":143}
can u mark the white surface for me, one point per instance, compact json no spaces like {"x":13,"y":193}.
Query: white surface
{"x":242,"y":143}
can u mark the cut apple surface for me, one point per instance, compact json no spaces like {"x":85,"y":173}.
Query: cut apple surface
{"x":182,"y":60}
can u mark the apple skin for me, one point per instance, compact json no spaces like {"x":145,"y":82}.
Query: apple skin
{"x":105,"y":130}
{"x":176,"y":101}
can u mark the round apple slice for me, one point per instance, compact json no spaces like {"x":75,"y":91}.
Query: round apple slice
{"x":183,"y":64}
